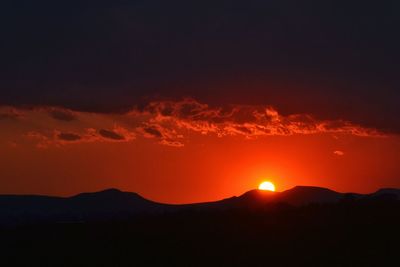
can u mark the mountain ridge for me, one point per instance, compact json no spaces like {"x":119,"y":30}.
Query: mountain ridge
{"x":114,"y":204}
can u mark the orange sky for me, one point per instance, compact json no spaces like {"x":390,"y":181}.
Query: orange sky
{"x":188,"y":152}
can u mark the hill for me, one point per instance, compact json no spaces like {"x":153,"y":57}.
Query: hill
{"x":113,"y":204}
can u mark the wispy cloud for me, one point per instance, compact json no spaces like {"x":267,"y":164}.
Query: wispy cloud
{"x":338,"y":153}
{"x":111,"y":134}
{"x":10,"y":113}
{"x":247,"y":121}
{"x":173,"y":122}
{"x":62,"y":114}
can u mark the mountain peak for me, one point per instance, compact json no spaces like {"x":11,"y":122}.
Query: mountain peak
{"x":304,"y":188}
{"x":302,"y":195}
{"x":258,"y":193}
{"x":388,"y":190}
{"x":110,"y":191}
{"x":257,"y":197}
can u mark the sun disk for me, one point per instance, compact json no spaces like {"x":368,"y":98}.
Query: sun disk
{"x":267,"y":186}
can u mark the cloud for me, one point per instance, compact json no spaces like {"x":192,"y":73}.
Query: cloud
{"x":10,"y":113}
{"x":173,"y":123}
{"x":44,"y":139}
{"x":247,"y":121}
{"x":338,"y":153}
{"x":69,"y":137}
{"x":313,"y":70}
{"x":111,"y":134}
{"x":62,"y":114}
{"x":152,"y":132}
{"x":172,"y":143}
{"x":166,"y":135}
{"x":56,"y":138}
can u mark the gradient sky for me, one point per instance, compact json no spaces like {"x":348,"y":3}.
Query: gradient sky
{"x":186,"y":101}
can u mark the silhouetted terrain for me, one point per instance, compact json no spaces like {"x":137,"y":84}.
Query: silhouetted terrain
{"x":304,"y":226}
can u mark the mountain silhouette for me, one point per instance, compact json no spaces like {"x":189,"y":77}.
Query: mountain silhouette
{"x":103,"y":205}
{"x":113,"y":204}
{"x":387,"y":191}
{"x":114,"y":201}
{"x":303,"y":195}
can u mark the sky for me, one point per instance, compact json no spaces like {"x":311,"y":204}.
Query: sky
{"x":186,"y":101}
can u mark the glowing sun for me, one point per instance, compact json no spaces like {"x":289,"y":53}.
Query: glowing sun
{"x":267,"y":186}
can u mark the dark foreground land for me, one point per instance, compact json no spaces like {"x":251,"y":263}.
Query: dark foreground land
{"x":363,"y":233}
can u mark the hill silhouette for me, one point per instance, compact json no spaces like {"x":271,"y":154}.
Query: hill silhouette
{"x":113,"y":204}
{"x":297,"y":196}
{"x":303,"y":226}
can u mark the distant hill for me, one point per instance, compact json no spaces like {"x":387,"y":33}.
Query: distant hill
{"x":113,"y":204}
{"x":297,"y":196}
{"x":103,"y":205}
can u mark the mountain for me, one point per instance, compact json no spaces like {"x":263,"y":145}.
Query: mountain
{"x":303,"y":195}
{"x":113,"y":204}
{"x":103,"y":205}
{"x":385,"y":194}
{"x":297,"y":196}
{"x":115,"y":201}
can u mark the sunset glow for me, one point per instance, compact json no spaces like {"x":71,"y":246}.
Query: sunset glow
{"x":191,"y":102}
{"x":197,"y":153}
{"x":209,"y":133}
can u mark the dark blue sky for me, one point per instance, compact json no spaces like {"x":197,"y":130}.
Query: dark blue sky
{"x":334,"y":59}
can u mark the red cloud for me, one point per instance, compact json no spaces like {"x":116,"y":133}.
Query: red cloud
{"x":248,"y":121}
{"x":338,"y":153}
{"x":10,"y":113}
{"x":172,"y":122}
{"x":58,"y":138}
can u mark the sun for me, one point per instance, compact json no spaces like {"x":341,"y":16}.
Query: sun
{"x":267,"y":186}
